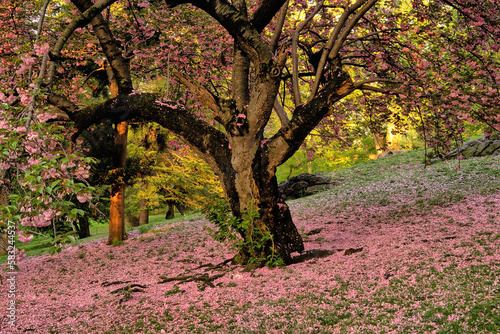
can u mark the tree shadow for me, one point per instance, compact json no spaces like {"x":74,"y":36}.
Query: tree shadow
{"x":321,"y":253}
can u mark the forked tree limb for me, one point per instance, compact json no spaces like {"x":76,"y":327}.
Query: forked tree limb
{"x":339,"y":35}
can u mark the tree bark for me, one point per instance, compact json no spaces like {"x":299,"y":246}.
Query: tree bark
{"x":170,"y":212}
{"x":254,"y":188}
{"x":143,"y":212}
{"x":84,"y":228}
{"x":117,"y":200}
{"x":392,"y":139}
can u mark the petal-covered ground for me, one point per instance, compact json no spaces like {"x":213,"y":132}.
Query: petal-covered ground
{"x":393,"y":248}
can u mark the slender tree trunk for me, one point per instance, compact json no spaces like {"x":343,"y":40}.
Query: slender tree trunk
{"x":170,"y":212}
{"x":392,"y":139}
{"x":143,"y":212}
{"x":379,"y":141}
{"x":84,"y":228}
{"x":4,"y":201}
{"x":117,"y":200}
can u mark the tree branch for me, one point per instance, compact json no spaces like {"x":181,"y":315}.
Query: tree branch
{"x":237,"y":24}
{"x":295,"y":56}
{"x":280,"y":111}
{"x":266,"y":11}
{"x":109,"y":46}
{"x":305,"y":118}
{"x":279,"y":27}
{"x":363,"y":85}
{"x":241,"y":68}
{"x":201,"y":93}
{"x":76,"y":23}
{"x":338,"y":37}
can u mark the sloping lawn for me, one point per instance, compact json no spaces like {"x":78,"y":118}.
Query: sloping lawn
{"x":391,"y":248}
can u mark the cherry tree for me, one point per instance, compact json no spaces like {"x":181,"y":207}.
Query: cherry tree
{"x":41,"y":176}
{"x":230,"y":67}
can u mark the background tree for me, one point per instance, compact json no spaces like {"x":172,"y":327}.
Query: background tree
{"x":166,"y":174}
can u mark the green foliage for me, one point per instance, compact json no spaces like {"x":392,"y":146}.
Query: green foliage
{"x":327,"y":157}
{"x":166,"y":172}
{"x":245,"y":234}
{"x":60,"y":241}
{"x":144,"y":229}
{"x":117,"y":242}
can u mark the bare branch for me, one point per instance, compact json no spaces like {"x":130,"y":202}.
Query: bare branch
{"x":38,"y":84}
{"x":279,"y":27}
{"x":305,"y":118}
{"x":363,"y":85}
{"x":295,"y":56}
{"x":43,"y":68}
{"x":41,"y":20}
{"x":76,"y":23}
{"x":339,"y":35}
{"x":372,"y":88}
{"x":201,"y":93}
{"x":280,"y":111}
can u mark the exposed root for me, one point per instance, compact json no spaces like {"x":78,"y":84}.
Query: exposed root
{"x":113,"y":283}
{"x":204,"y":278}
{"x":130,"y":288}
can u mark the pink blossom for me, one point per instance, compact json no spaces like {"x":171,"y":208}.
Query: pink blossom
{"x":24,"y":236}
{"x":82,"y":198}
{"x":41,"y":49}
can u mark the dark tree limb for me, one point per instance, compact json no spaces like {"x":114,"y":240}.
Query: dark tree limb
{"x":110,"y":48}
{"x":265,"y":13}
{"x":130,"y":288}
{"x":85,"y":18}
{"x":236,"y":23}
{"x":209,"y":142}
{"x":63,"y":103}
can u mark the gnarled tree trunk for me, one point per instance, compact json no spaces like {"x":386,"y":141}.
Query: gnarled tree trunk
{"x":257,"y":189}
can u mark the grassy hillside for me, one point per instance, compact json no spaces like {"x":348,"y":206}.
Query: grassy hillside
{"x":390,"y":248}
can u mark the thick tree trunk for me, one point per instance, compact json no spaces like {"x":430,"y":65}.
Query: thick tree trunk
{"x":256,"y":189}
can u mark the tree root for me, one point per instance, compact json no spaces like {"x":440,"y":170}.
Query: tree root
{"x":113,"y":283}
{"x":130,"y":288}
{"x":210,"y":266}
{"x":204,"y":278}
